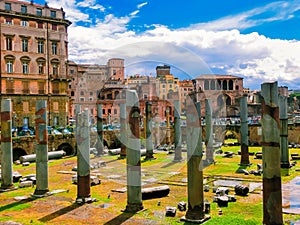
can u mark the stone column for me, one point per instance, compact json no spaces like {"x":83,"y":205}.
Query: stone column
{"x":168,"y":132}
{"x":123,"y":129}
{"x":157,"y":129}
{"x":41,"y":148}
{"x":283,"y":114}
{"x":272,"y":194}
{"x":244,"y":131}
{"x":177,"y":131}
{"x":6,"y":145}
{"x":133,"y":154}
{"x":100,"y":145}
{"x":149,"y":140}
{"x":195,"y":212}
{"x":83,"y":157}
{"x":209,"y":132}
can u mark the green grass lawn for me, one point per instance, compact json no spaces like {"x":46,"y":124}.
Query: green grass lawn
{"x":246,"y":210}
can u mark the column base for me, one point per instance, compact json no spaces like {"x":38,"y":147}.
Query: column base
{"x":149,"y":158}
{"x":134,"y":207}
{"x":285,"y":165}
{"x":178,"y":159}
{"x":198,"y":221}
{"x":5,"y":188}
{"x":245,"y":164}
{"x":83,"y":200}
{"x":40,"y":193}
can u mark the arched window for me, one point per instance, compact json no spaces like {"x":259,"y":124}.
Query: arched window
{"x":224,"y":85}
{"x":230,"y":83}
{"x":9,"y":60}
{"x":25,"y":64}
{"x":41,"y":65}
{"x":212,"y":85}
{"x":206,"y":85}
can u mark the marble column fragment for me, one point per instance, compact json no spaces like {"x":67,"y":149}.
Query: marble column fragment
{"x":244,"y":131}
{"x":83,"y":157}
{"x":195,"y":212}
{"x":133,"y":154}
{"x":149,"y":140}
{"x":100,"y":145}
{"x":272,"y":193}
{"x":168,"y":131}
{"x":283,"y":115}
{"x":209,"y":132}
{"x":41,"y":148}
{"x":177,"y":131}
{"x":123,"y":131}
{"x":6,"y":145}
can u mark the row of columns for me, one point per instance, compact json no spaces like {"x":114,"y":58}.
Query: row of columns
{"x":274,"y":149}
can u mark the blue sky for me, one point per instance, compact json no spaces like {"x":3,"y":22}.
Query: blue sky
{"x":258,"y":39}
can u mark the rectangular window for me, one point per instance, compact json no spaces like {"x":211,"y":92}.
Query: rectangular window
{"x":26,"y":107}
{"x":40,"y":25}
{"x":41,"y":86}
{"x":41,"y":68}
{"x":8,"y":20}
{"x":91,"y":93}
{"x":40,"y":46}
{"x":7,"y":6}
{"x":9,"y":43}
{"x":39,"y":12}
{"x":55,"y":106}
{"x":24,"y":23}
{"x":54,"y":27}
{"x":55,"y":69}
{"x":25,"y":67}
{"x":25,"y":87}
{"x":55,"y":121}
{"x":53,"y":14}
{"x":71,"y":71}
{"x":9,"y":67}
{"x":82,"y":99}
{"x":23,"y":9}
{"x":103,"y":111}
{"x":54,"y":48}
{"x":55,"y":88}
{"x":24,"y":45}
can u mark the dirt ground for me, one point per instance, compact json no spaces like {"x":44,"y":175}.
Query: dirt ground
{"x":19,"y":207}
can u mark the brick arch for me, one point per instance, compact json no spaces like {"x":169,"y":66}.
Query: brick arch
{"x":17,"y":152}
{"x":69,"y":150}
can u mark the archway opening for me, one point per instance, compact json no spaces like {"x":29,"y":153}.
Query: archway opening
{"x":17,"y":153}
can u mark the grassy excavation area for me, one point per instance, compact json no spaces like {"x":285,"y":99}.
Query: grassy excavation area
{"x":59,"y":206}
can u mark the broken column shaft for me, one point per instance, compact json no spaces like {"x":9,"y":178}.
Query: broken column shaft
{"x":6,"y":145}
{"x":149,"y":140}
{"x":123,"y":131}
{"x":283,"y":115}
{"x":272,"y":194}
{"x":41,"y":148}
{"x":209,"y":132}
{"x":244,"y":131}
{"x":133,"y":154}
{"x":168,"y":131}
{"x":83,"y":157}
{"x":195,"y":212}
{"x":100,"y":146}
{"x":177,"y":131}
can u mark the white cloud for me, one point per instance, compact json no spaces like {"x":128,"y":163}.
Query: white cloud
{"x":142,"y":4}
{"x":275,"y":11}
{"x":69,"y":6}
{"x":91,"y":4}
{"x":217,"y":44}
